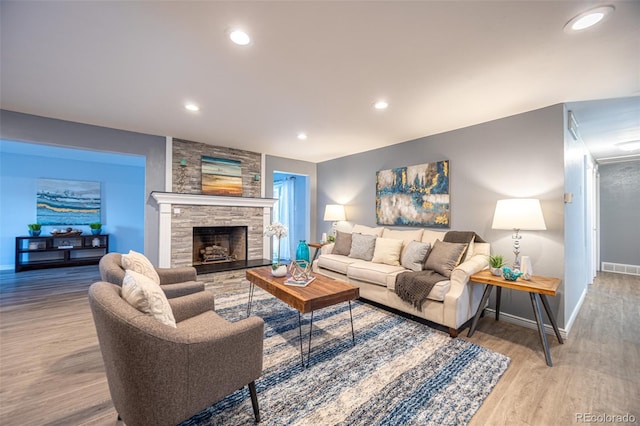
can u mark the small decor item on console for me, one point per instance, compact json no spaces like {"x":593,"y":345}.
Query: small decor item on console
{"x":34,"y":229}
{"x":510,"y":275}
{"x":68,"y":232}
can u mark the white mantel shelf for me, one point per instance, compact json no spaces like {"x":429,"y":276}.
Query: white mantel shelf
{"x":166,"y":201}
{"x":210,"y":200}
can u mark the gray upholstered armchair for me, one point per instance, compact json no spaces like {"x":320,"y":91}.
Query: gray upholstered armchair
{"x":174,"y":282}
{"x":160,"y":375}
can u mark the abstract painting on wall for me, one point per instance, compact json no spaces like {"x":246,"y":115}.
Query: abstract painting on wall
{"x":414,"y":195}
{"x":221,"y":176}
{"x":68,"y":202}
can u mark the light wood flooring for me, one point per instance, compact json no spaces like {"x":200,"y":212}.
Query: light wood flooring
{"x":51,"y":369}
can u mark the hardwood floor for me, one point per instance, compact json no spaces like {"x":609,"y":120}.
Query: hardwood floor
{"x":51,"y":370}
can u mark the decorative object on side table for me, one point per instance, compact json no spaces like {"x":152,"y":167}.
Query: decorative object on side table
{"x":34,"y":229}
{"x":96,"y":228}
{"x":68,"y":232}
{"x":526,"y":268}
{"x":278,"y":230}
{"x":302,"y":251}
{"x":510,"y":275}
{"x":496,"y":262}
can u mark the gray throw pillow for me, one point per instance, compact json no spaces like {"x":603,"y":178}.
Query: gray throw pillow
{"x":444,"y":257}
{"x":362,"y":246}
{"x":343,"y":243}
{"x":414,"y":255}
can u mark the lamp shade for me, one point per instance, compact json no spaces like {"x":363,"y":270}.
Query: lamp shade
{"x":334,"y":212}
{"x":519,"y":213}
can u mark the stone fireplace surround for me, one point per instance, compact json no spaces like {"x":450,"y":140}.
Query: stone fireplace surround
{"x":179,"y":213}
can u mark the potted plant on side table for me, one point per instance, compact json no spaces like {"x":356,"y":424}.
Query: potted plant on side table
{"x":34,"y":229}
{"x":496,"y":262}
{"x":277,"y":229}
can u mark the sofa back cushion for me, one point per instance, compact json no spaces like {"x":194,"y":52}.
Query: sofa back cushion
{"x":405,"y":236}
{"x":367,"y":230}
{"x":343,"y":243}
{"x":387,"y":250}
{"x":362,"y":246}
{"x":429,"y":236}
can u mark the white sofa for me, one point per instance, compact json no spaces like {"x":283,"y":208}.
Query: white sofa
{"x":450,"y":303}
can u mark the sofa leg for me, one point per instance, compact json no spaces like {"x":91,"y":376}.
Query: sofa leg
{"x":453,"y":332}
{"x":254,"y":401}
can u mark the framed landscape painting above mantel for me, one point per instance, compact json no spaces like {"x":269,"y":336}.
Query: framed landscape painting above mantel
{"x":414,"y":195}
{"x":221,"y":176}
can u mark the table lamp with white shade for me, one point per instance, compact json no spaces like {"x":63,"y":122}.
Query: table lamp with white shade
{"x":518,"y":214}
{"x":334,"y":213}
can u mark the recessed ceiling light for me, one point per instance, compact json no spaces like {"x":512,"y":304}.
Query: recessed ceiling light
{"x":302,"y":136}
{"x":588,"y":19}
{"x":629,"y":145}
{"x":240,"y":37}
{"x":192,"y":107}
{"x":381,"y":105}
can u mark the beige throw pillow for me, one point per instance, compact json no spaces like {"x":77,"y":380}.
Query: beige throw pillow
{"x":137,"y":262}
{"x":147,"y":297}
{"x":387,"y":251}
{"x":444,"y":257}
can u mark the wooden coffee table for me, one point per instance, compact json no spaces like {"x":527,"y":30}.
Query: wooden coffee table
{"x":322,"y":292}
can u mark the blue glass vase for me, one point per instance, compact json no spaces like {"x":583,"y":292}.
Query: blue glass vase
{"x":302,"y":252}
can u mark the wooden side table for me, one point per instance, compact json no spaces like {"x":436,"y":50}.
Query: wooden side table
{"x":316,"y":246}
{"x":538,"y":287}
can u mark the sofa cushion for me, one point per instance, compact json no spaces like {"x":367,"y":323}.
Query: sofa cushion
{"x":387,"y":250}
{"x":405,"y":236}
{"x":335,"y":262}
{"x":437,"y":293}
{"x":444,"y":257}
{"x":362,"y":246}
{"x":147,"y":297}
{"x":429,"y":236}
{"x":342,"y":244}
{"x":138,"y":262}
{"x":414,"y":255}
{"x":367,"y":230}
{"x":375,"y":273}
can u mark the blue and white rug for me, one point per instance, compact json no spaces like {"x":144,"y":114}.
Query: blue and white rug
{"x":399,"y":372}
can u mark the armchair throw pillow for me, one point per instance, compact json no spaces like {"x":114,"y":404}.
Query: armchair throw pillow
{"x":138,"y":262}
{"x":147,"y":297}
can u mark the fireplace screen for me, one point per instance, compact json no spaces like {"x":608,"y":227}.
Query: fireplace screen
{"x":217,"y":244}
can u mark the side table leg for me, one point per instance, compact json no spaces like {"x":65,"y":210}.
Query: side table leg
{"x":485,"y":297}
{"x":498,"y":298}
{"x":552,"y":319}
{"x":543,"y":336}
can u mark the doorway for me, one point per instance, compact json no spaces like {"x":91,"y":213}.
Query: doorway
{"x":292,"y":210}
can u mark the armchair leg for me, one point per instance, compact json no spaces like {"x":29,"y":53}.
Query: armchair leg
{"x":254,"y":401}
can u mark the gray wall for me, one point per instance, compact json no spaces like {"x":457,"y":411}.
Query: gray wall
{"x":619,"y":212}
{"x":515,"y":157}
{"x":30,"y":128}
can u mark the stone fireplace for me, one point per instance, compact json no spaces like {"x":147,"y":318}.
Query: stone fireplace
{"x":219,"y":244}
{"x":241,"y":219}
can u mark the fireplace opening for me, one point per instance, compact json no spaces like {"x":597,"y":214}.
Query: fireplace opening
{"x":219,"y":244}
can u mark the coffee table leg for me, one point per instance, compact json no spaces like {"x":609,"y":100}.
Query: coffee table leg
{"x":300,"y":333}
{"x":251,"y":287}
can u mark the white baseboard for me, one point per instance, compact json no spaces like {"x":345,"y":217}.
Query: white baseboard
{"x":620,"y":268}
{"x":6,"y":267}
{"x":574,"y":314}
{"x":524,"y":322}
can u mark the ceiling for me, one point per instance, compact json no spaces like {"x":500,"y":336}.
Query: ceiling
{"x":318,"y":67}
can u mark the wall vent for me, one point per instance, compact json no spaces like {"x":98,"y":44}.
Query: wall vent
{"x":620,"y":268}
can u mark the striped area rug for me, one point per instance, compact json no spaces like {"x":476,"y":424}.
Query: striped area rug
{"x":399,"y":372}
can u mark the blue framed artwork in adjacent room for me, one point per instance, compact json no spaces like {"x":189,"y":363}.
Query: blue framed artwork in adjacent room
{"x":68,"y":202}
